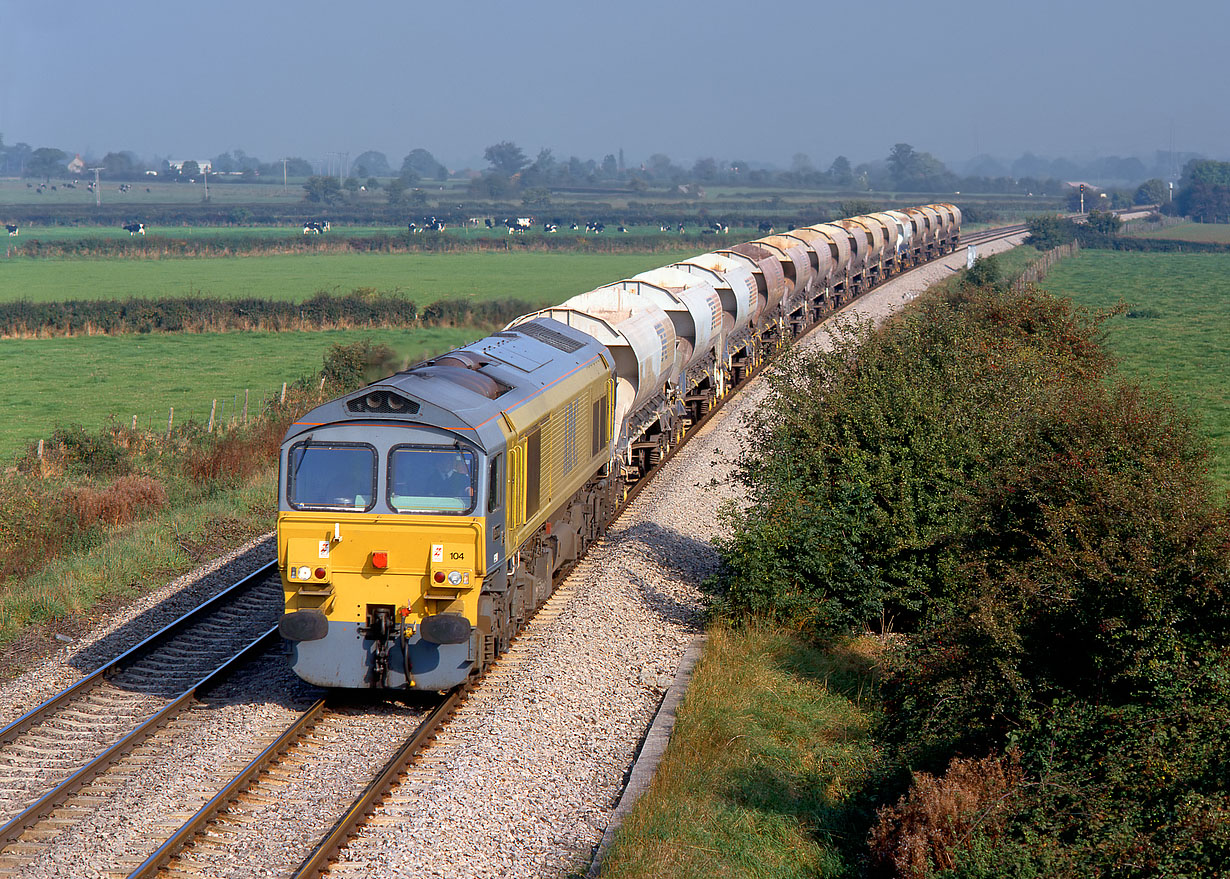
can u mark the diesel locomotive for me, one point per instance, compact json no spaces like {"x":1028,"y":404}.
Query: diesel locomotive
{"x":423,"y":518}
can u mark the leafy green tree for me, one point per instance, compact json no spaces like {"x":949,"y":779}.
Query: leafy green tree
{"x":705,"y":170}
{"x":1153,"y":191}
{"x":372,"y":164}
{"x":841,"y":172}
{"x":395,"y":191}
{"x":351,"y":185}
{"x":46,"y":161}
{"x":120,"y":165}
{"x":420,"y":164}
{"x":506,"y":158}
{"x":610,"y":167}
{"x":190,"y":169}
{"x":322,"y":189}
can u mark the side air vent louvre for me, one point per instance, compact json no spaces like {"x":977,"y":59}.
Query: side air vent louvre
{"x":550,"y":337}
{"x":386,"y":402}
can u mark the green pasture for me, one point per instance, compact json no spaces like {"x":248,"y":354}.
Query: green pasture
{"x":88,"y":379}
{"x":1174,"y":335}
{"x":542,"y":278}
{"x":1211,"y":233}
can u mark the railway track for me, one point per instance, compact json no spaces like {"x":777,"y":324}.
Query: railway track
{"x":234,"y":812}
{"x":50,"y":754}
{"x":387,"y":799}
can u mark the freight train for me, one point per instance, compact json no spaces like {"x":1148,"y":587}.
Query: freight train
{"x":423,"y":518}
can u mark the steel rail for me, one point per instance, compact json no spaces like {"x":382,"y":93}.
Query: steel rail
{"x":166,"y":852}
{"x":317,"y":862}
{"x":42,"y":807}
{"x":11,"y":732}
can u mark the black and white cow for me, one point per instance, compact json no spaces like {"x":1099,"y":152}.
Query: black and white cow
{"x":315,"y":227}
{"x":134,"y":229}
{"x":550,"y":227}
{"x":765,"y":227}
{"x":11,"y":228}
{"x":623,"y":228}
{"x":595,"y":227}
{"x":681,"y":228}
{"x":519,"y":224}
{"x":574,"y":227}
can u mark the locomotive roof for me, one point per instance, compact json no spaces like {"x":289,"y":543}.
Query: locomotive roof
{"x":468,"y":388}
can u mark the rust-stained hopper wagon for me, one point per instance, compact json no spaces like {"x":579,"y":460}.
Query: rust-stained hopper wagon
{"x":892,"y":238}
{"x":870,"y":237}
{"x":849,"y":263}
{"x":827,"y":271}
{"x":908,"y":241}
{"x":926,"y":225}
{"x":797,"y":268}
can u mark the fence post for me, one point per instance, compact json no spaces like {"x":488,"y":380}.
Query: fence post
{"x":134,"y":424}
{"x":245,"y":406}
{"x":212,"y":409}
{"x":282,"y":399}
{"x":170,"y":421}
{"x":40,"y":450}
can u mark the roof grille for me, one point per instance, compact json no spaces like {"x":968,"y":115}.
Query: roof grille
{"x":550,"y":337}
{"x":385,"y":402}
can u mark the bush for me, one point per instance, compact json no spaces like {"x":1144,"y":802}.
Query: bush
{"x":939,"y":817}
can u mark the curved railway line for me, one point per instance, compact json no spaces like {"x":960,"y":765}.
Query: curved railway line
{"x":56,"y":760}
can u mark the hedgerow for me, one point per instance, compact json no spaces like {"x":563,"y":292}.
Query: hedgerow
{"x":360,"y":308}
{"x":1043,"y":538}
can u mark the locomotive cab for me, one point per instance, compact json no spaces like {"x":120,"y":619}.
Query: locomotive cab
{"x":383,"y":540}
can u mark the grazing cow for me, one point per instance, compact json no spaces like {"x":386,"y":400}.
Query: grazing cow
{"x":315,"y":227}
{"x":519,"y":224}
{"x":433,"y":224}
{"x":595,"y":227}
{"x":12,"y":229}
{"x":664,"y":227}
{"x":719,"y":228}
{"x":574,"y":227}
{"x":681,"y":228}
{"x":414,"y":228}
{"x":134,"y":229}
{"x":623,"y":228}
{"x":550,"y":227}
{"x":490,"y":224}
{"x":765,"y":227}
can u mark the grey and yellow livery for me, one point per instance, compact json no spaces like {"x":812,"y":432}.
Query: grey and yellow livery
{"x":423,"y":518}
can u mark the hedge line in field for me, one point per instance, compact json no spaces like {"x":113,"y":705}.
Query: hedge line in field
{"x":202,"y":314}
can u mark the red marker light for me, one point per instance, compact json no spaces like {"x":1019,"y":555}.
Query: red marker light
{"x":380,"y":560}
{"x":320,"y":573}
{"x":439,"y":578}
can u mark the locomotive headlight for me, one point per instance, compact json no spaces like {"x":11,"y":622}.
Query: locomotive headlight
{"x":305,"y":573}
{"x":454,"y":577}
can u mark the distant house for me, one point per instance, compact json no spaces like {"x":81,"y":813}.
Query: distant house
{"x":205,"y":165}
{"x":77,"y":165}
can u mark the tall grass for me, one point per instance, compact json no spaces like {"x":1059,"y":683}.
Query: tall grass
{"x":766,"y":768}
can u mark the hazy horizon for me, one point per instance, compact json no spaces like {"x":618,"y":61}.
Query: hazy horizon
{"x":1084,"y":80}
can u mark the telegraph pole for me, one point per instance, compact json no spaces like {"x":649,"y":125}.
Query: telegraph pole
{"x":97,"y":188}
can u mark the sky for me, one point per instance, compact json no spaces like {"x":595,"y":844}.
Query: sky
{"x":759,"y":82}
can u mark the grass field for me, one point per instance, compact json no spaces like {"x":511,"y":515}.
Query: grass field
{"x":1175,"y":335}
{"x":1212,"y":233}
{"x":544,"y":278}
{"x":86,"y":380}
